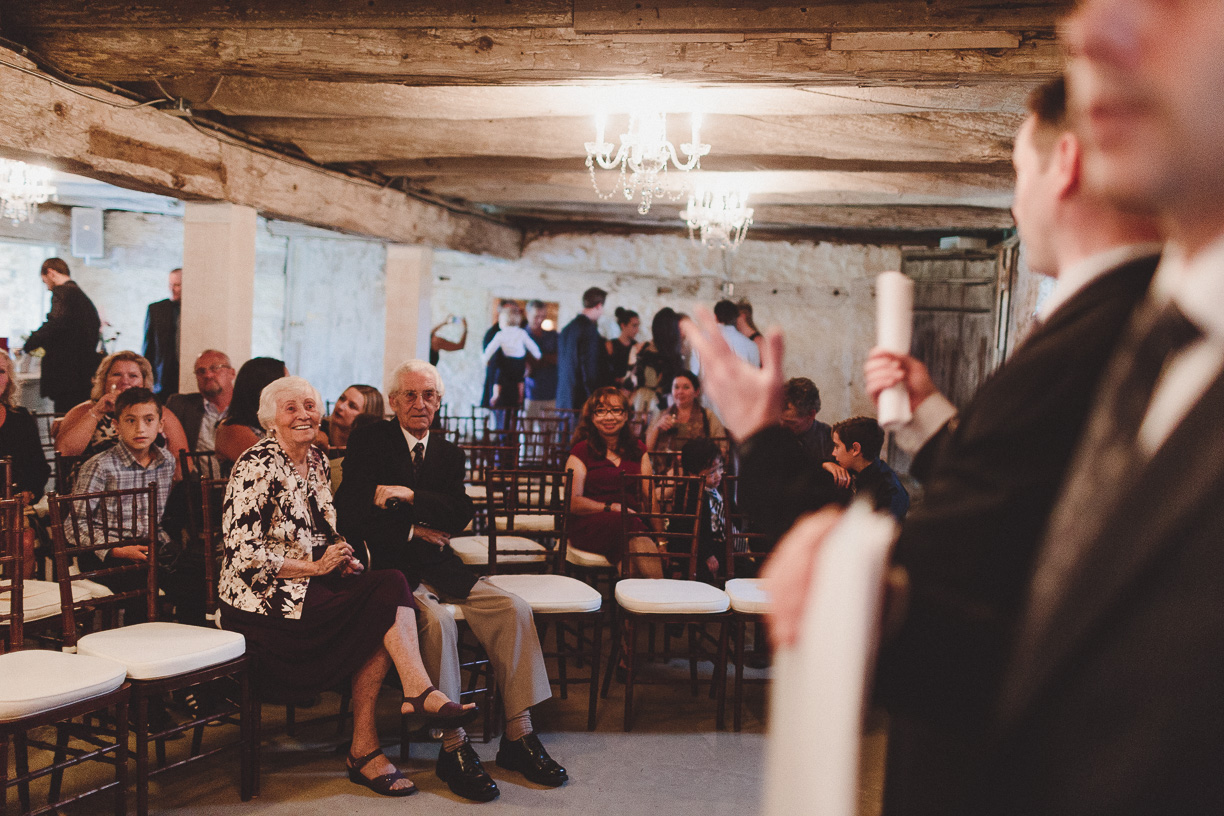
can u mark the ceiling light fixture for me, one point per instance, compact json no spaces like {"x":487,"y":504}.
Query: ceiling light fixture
{"x":22,"y":188}
{"x":720,"y":218}
{"x":643,"y":156}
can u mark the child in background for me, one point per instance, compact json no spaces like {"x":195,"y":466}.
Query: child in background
{"x":515,"y":344}
{"x":856,"y":447}
{"x":703,"y":458}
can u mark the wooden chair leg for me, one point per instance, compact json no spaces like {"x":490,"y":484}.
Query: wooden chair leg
{"x":4,"y":752}
{"x":562,"y":673}
{"x":346,"y":700}
{"x":248,"y":736}
{"x":614,"y":660}
{"x":720,"y":675}
{"x":291,"y":720}
{"x":22,"y":763}
{"x":61,"y":753}
{"x":142,"y":754}
{"x":692,"y":639}
{"x":596,"y":651}
{"x":121,"y":758}
{"x":630,"y":667}
{"x":741,"y":632}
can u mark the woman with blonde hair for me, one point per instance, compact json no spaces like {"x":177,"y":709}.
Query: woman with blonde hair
{"x":89,"y":428}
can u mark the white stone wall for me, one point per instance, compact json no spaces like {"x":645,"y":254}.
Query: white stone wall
{"x":821,"y":295}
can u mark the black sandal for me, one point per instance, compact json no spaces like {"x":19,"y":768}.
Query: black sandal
{"x":450,"y":715}
{"x":379,"y":784}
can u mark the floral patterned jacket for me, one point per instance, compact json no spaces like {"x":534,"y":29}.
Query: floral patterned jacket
{"x":270,"y":515}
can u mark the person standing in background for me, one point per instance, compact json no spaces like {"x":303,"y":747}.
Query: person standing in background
{"x":68,"y":338}
{"x":542,"y":373}
{"x":161,"y":338}
{"x":582,"y":360}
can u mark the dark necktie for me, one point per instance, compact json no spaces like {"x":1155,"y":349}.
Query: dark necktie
{"x":418,"y":456}
{"x":1108,"y":452}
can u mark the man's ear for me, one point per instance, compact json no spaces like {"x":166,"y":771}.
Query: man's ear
{"x":855,"y":449}
{"x":1067,"y":164}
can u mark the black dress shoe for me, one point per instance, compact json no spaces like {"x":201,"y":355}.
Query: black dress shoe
{"x":462,"y":772}
{"x":528,"y":757}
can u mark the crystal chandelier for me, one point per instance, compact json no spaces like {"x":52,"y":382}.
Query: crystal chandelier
{"x":720,"y":218}
{"x":643,"y":157}
{"x":22,"y":188}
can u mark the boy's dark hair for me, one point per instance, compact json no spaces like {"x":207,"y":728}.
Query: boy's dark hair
{"x":698,"y":454}
{"x":135,"y":396}
{"x":726,"y":312}
{"x":802,"y":394}
{"x":863,"y":430}
{"x":593,"y":297}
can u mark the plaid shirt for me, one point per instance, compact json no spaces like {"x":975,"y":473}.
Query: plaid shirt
{"x":117,"y":469}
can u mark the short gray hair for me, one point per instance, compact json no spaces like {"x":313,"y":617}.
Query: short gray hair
{"x":415,"y":367}
{"x":276,"y":389}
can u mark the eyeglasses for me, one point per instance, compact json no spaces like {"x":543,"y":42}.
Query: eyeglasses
{"x":212,"y":369}
{"x":608,"y":412}
{"x":411,"y":397}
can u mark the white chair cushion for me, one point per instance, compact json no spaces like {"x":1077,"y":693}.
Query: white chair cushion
{"x":666,"y":596}
{"x":476,"y":491}
{"x":748,"y":595}
{"x":475,"y":550}
{"x":551,"y":593}
{"x":582,"y":558}
{"x":41,"y":599}
{"x":530,"y":524}
{"x":162,"y":649}
{"x":34,"y":680}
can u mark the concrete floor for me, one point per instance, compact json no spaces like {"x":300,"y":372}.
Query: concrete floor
{"x":674,"y":762}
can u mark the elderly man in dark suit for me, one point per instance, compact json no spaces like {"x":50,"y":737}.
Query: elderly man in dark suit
{"x":161,"y":337}
{"x":403,"y":495}
{"x":991,"y":477}
{"x":68,"y":337}
{"x":582,"y":357}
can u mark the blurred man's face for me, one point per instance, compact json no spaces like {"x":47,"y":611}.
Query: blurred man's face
{"x":797,"y":421}
{"x":1145,"y":84}
{"x":176,"y":284}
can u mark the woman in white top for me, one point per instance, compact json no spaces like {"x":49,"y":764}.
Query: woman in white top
{"x":515,"y":344}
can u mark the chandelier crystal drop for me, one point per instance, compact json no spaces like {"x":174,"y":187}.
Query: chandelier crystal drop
{"x":643,"y":157}
{"x":721,"y":219}
{"x":22,"y":188}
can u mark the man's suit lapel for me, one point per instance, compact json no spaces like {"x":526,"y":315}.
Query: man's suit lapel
{"x":1145,"y":517}
{"x":399,"y":455}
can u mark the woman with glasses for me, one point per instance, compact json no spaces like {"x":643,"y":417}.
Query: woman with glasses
{"x":685,"y":419}
{"x":604,"y":448}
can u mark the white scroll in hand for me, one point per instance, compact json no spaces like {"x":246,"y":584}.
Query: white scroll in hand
{"x":820,"y":684}
{"x":894,"y":328}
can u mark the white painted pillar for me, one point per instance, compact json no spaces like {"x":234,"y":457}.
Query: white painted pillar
{"x":409,"y":287}
{"x":218,"y":284}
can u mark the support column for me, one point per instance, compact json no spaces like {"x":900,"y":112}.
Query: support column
{"x":409,"y":287}
{"x":218,"y":284}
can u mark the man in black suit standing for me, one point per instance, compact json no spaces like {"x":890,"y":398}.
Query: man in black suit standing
{"x":403,"y":495}
{"x":992,"y":474}
{"x":161,"y":338}
{"x":69,"y":338}
{"x":582,"y":363}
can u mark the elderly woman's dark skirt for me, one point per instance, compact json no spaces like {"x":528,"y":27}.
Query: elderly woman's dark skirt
{"x":343,"y":623}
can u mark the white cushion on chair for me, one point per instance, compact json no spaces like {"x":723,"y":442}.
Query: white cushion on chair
{"x":475,"y":549}
{"x":551,"y":593}
{"x":476,"y":491}
{"x":748,"y":595}
{"x":666,"y":596}
{"x":162,"y":649}
{"x":34,"y":680}
{"x":41,"y":599}
{"x":530,"y":524}
{"x":582,"y":558}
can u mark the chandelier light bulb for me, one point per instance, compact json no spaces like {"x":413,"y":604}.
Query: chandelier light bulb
{"x":22,"y":188}
{"x":720,"y":218}
{"x":643,"y":157}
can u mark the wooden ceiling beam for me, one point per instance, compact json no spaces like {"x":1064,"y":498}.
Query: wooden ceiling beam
{"x":592,"y":16}
{"x":921,"y":136}
{"x":515,"y":166}
{"x":520,"y":56}
{"x":103,"y":136}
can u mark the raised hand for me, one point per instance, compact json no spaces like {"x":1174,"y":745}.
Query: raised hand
{"x":749,"y":399}
{"x":884,"y":369}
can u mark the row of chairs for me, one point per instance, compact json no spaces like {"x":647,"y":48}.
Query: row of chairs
{"x":108,"y":665}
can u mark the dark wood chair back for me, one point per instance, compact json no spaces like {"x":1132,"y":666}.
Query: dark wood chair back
{"x":85,"y":523}
{"x":66,"y":468}
{"x":671,"y":512}
{"x":531,"y":504}
{"x":201,"y":464}
{"x":7,"y":488}
{"x":12,"y":511}
{"x":745,"y":552}
{"x":212,"y":498}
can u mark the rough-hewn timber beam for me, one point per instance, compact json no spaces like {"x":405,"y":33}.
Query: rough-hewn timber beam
{"x":918,"y":136}
{"x":585,"y":15}
{"x":513,"y":166}
{"x":523,"y":56}
{"x":103,"y":137}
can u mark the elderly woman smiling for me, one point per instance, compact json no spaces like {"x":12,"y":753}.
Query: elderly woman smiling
{"x":310,"y":612}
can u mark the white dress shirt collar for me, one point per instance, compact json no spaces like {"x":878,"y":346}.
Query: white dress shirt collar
{"x":412,"y":440}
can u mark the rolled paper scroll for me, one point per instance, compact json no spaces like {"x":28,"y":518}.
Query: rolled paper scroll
{"x":894,"y":330}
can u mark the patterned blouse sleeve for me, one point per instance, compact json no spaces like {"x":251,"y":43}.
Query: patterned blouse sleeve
{"x":248,"y":512}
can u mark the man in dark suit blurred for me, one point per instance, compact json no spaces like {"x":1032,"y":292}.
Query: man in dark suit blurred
{"x":161,"y":338}
{"x":582,"y":361}
{"x":403,"y":495}
{"x":68,"y":337}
